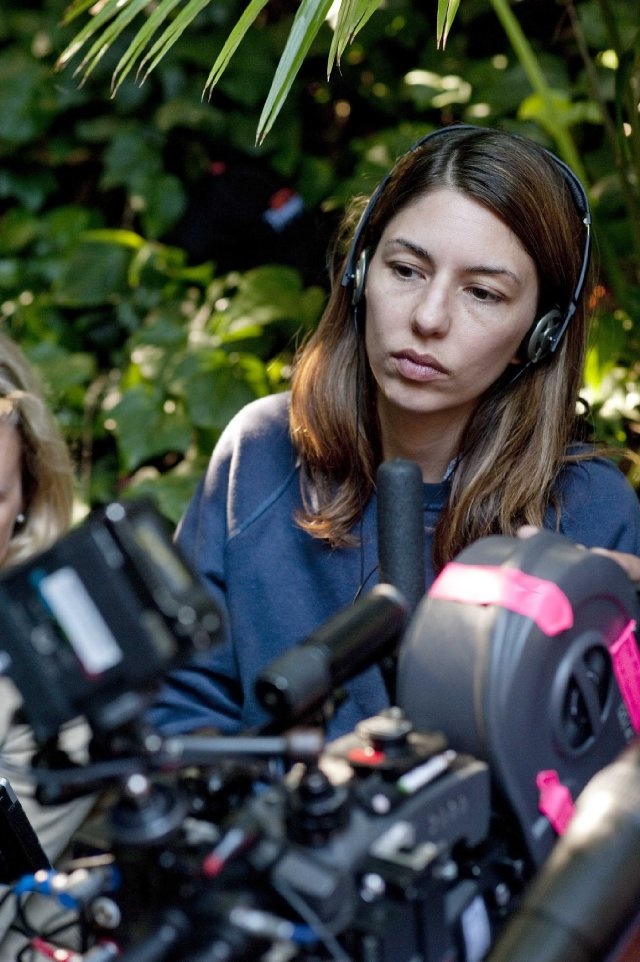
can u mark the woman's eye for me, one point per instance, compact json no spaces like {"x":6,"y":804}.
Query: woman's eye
{"x":405,"y":271}
{"x":482,"y":294}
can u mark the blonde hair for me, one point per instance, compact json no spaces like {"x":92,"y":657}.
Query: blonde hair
{"x":519,"y":437}
{"x":47,"y":470}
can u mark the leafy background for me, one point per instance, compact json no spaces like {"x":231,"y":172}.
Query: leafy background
{"x":137,"y":269}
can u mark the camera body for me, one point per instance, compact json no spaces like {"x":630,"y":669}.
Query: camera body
{"x":90,"y":625}
{"x":386,"y":841}
{"x":411,"y":839}
{"x":383,"y":848}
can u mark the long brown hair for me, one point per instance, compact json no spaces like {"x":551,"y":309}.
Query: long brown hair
{"x":520,"y":434}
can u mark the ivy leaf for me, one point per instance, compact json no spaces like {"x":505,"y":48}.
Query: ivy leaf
{"x":162,"y":432}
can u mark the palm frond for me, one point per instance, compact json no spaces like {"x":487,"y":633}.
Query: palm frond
{"x":141,"y":41}
{"x":171,"y":34}
{"x":447,"y":10}
{"x":352,"y":16}
{"x":162,"y":27}
{"x":106,"y":24}
{"x":307,"y":22}
{"x":232,"y":42}
{"x":75,"y":8}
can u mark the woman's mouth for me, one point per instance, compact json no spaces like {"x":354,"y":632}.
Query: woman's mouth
{"x":418,"y":367}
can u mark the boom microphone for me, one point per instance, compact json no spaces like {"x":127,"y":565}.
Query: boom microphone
{"x":587,"y":893}
{"x":401,"y":528}
{"x":301,"y":680}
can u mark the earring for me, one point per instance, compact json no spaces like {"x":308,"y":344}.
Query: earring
{"x":20,"y":518}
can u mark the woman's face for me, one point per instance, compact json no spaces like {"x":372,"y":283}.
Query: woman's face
{"x":450,"y":294}
{"x":10,"y":483}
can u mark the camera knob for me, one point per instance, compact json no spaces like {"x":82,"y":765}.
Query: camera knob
{"x":387,"y":732}
{"x":317,"y":809}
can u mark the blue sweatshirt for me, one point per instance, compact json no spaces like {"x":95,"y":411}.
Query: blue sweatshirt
{"x":275,"y":584}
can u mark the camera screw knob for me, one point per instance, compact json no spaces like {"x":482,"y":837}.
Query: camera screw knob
{"x":317,"y":809}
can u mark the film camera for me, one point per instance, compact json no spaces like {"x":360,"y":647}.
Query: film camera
{"x":415,"y":837}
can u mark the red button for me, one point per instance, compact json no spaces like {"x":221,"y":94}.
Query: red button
{"x":366,"y":756}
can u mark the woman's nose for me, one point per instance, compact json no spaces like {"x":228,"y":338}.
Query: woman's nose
{"x":432,"y":309}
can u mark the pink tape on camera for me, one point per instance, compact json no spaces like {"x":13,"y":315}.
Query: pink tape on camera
{"x":542,"y":601}
{"x":626,"y":667}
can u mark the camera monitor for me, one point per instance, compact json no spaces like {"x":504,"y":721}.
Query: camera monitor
{"x":90,"y":625}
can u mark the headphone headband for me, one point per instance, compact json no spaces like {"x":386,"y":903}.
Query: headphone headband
{"x":354,"y":270}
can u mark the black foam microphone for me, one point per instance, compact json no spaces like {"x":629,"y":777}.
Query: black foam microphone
{"x":301,"y":680}
{"x":401,"y":528}
{"x":587,"y":894}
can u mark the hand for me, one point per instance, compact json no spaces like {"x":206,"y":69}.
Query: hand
{"x":630,"y":562}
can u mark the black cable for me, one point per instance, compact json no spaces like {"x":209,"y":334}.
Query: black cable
{"x":311,"y":919}
{"x":358,"y":473}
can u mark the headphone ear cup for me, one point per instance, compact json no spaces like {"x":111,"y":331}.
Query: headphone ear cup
{"x":360,"y":278}
{"x":541,"y":339}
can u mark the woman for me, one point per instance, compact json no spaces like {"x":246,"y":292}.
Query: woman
{"x":456,"y":338}
{"x":36,"y":476}
{"x":36,"y":501}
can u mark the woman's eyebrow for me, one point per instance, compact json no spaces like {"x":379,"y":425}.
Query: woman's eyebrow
{"x":490,"y":269}
{"x":414,"y":248}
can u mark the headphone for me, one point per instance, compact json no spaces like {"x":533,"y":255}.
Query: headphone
{"x":545,"y":334}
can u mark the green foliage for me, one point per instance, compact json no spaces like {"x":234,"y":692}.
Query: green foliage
{"x":184,"y":352}
{"x":165,"y":24}
{"x":147,"y":348}
{"x":146,"y":353}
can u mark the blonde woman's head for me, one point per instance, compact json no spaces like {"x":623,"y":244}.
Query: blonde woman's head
{"x":36,"y":474}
